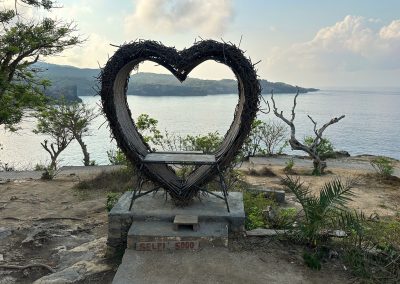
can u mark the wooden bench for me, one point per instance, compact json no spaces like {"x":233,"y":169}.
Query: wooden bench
{"x":195,"y":158}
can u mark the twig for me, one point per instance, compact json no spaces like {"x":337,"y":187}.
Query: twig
{"x":5,"y":266}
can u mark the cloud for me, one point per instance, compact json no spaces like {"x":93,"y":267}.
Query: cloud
{"x":92,"y":53}
{"x":204,"y":17}
{"x":353,"y":44}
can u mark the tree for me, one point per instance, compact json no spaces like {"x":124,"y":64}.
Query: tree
{"x":51,"y":121}
{"x":272,"y":134}
{"x":311,"y":149}
{"x":78,"y":117}
{"x":23,"y":41}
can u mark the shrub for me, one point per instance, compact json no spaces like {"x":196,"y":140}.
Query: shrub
{"x":325,"y":148}
{"x":319,"y":211}
{"x":383,"y":166}
{"x":253,"y":207}
{"x":289,"y":164}
{"x":112,"y":199}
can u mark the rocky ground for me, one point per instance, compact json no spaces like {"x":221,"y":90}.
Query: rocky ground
{"x":59,"y":232}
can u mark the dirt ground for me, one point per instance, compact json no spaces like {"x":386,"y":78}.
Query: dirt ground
{"x":51,"y":223}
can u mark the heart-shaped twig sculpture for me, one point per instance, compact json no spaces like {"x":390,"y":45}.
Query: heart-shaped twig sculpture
{"x":114,"y":82}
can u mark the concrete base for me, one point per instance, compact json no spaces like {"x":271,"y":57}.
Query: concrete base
{"x":208,"y":234}
{"x":209,"y":265}
{"x":154,"y":207}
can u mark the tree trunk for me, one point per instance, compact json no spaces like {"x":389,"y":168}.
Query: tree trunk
{"x":86,"y":156}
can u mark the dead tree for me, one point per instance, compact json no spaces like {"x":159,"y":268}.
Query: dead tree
{"x":311,"y":150}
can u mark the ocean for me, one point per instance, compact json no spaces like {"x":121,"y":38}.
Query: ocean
{"x":371,"y":125}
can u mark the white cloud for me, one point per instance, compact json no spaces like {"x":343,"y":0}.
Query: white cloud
{"x":355,"y":43}
{"x":92,"y":53}
{"x":204,"y":17}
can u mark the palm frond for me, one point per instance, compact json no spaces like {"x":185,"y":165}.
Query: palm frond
{"x":335,"y":194}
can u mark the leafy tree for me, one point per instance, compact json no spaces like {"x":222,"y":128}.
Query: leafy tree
{"x":78,"y":117}
{"x":51,"y":121}
{"x":23,"y":41}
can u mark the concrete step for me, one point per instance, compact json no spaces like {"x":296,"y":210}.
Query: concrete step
{"x":160,"y":235}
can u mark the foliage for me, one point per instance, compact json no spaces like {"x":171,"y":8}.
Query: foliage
{"x":253,"y":207}
{"x":112,"y":199}
{"x":52,"y":121}
{"x":147,"y":127}
{"x":289,"y":164}
{"x":324,"y":148}
{"x":264,"y":138}
{"x":117,"y":157}
{"x":312,"y":260}
{"x":273,"y":133}
{"x":319,"y":211}
{"x":23,"y":41}
{"x":252,"y":144}
{"x":383,"y":166}
{"x":49,"y":173}
{"x":208,"y":143}
{"x":373,"y":253}
{"x":78,"y":117}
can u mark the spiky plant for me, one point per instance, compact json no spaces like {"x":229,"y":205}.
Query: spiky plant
{"x":319,"y":211}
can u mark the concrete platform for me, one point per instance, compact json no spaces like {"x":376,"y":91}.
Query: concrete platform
{"x":156,"y":208}
{"x":160,"y":235}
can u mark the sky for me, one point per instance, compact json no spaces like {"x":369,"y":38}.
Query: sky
{"x":302,"y":42}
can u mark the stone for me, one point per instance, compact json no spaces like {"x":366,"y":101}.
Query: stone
{"x":342,"y":154}
{"x":5,"y":232}
{"x":260,"y":232}
{"x":79,"y":263}
{"x":186,"y":220}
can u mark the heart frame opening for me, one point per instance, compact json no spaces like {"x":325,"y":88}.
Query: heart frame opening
{"x":114,"y":79}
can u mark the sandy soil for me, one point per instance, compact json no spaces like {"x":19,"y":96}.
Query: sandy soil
{"x":41,"y":221}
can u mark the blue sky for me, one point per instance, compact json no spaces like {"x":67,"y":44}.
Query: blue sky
{"x":309,"y":43}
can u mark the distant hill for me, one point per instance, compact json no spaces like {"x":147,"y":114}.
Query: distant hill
{"x":151,"y":84}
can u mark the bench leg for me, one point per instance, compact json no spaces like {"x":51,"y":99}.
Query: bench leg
{"x":223,"y":187}
{"x":138,"y":187}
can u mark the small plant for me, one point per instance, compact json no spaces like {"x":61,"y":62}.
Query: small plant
{"x":319,"y":211}
{"x":289,"y":164}
{"x":254,"y":205}
{"x":312,"y":260}
{"x":112,"y":199}
{"x":49,"y":173}
{"x":39,"y":167}
{"x":383,"y":166}
{"x":117,"y":157}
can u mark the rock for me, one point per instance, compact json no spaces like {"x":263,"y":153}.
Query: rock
{"x":5,"y":232}
{"x":1,"y":257}
{"x":338,"y":234}
{"x":341,"y":154}
{"x":276,"y":195}
{"x":269,"y":214}
{"x":8,"y":280}
{"x":79,"y":263}
{"x":259,"y":232}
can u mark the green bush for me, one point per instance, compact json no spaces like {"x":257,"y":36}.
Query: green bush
{"x":253,"y":207}
{"x":325,"y":148}
{"x":112,"y":199}
{"x":383,"y":166}
{"x":289,"y":164}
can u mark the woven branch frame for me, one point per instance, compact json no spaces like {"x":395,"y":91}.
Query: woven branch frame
{"x":114,"y":83}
